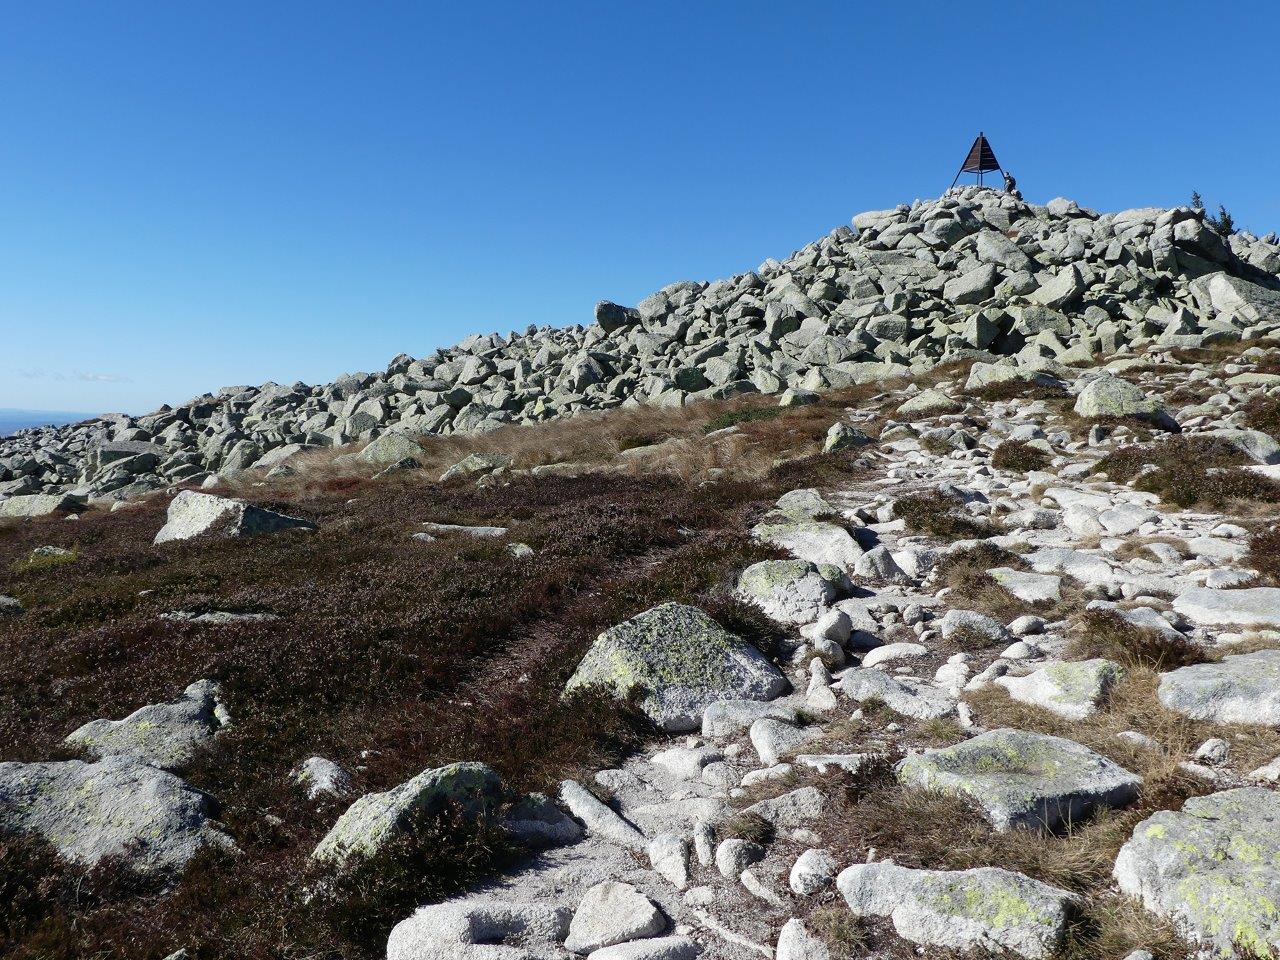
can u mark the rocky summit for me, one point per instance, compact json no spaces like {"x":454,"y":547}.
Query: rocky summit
{"x":915,"y":596}
{"x":975,"y":274}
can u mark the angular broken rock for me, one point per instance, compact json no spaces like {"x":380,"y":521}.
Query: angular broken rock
{"x":1071,"y":689}
{"x":1023,"y":779}
{"x":986,"y":909}
{"x":117,"y":807}
{"x":476,"y":930}
{"x":929,"y":403}
{"x":166,"y":735}
{"x":377,"y":819}
{"x":476,"y":463}
{"x":193,"y":514}
{"x":389,"y":448}
{"x":610,"y":913}
{"x":1244,"y":688}
{"x":1212,"y":868}
{"x":679,"y":661}
{"x":793,"y":809}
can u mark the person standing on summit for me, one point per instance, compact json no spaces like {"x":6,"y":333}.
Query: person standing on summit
{"x":1010,"y":184}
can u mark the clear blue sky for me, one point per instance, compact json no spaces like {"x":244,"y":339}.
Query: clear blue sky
{"x":197,"y":194}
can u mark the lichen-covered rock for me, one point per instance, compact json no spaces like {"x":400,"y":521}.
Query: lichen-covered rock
{"x":166,"y":735}
{"x":376,"y":819}
{"x":1107,"y":397}
{"x":152,"y":820}
{"x":482,"y":929}
{"x":677,"y":660}
{"x":1023,"y":779}
{"x":392,"y":447}
{"x":321,"y":777}
{"x":986,"y":909}
{"x":1241,"y":689}
{"x":929,"y":403}
{"x":1213,"y":868}
{"x":818,"y":541}
{"x":841,"y":436}
{"x":789,"y":591}
{"x":192,"y":514}
{"x":1071,"y":689}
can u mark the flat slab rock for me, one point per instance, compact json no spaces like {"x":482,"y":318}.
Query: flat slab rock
{"x":1023,"y":779}
{"x":1070,"y":689}
{"x":909,"y":698}
{"x":1244,"y":688}
{"x":193,"y":514}
{"x":985,"y":909}
{"x":166,"y":735}
{"x":682,"y":661}
{"x":477,"y":930}
{"x":805,"y":538}
{"x":116,"y":807}
{"x":1213,"y":868}
{"x":1209,"y":607}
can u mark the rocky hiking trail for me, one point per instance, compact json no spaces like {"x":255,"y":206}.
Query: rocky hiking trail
{"x":975,"y":653}
{"x":671,"y":838}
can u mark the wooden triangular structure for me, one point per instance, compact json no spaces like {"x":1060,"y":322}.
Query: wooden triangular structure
{"x":981,"y":159}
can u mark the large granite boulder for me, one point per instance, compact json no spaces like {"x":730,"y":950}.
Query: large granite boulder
{"x":790,"y":591}
{"x":1210,"y":607}
{"x":1108,"y":397}
{"x":1212,"y":868}
{"x":676,"y":660}
{"x":1023,"y":779}
{"x":193,"y":514}
{"x":118,"y":807}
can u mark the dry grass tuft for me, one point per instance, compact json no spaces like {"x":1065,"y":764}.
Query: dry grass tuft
{"x":1105,"y":633}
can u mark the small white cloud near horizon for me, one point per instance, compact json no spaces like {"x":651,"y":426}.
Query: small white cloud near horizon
{"x":103,"y":377}
{"x":35,"y":373}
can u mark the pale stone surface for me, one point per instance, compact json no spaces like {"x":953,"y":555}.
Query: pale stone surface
{"x":166,"y":735}
{"x":117,"y":807}
{"x":1072,"y":689}
{"x":1213,"y":868}
{"x":982,"y":909}
{"x":1244,"y":688}
{"x":192,"y":514}
{"x":682,"y":660}
{"x":376,"y":819}
{"x":611,"y":913}
{"x":1023,"y":779}
{"x":1247,"y":607}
